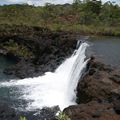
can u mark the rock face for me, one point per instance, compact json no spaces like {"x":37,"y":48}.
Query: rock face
{"x":8,"y":113}
{"x":92,"y":111}
{"x":99,"y":83}
{"x":35,"y":49}
{"x":98,"y":94}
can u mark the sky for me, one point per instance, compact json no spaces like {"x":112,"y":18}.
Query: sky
{"x":42,"y":2}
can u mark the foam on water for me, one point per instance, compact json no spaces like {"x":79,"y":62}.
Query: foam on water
{"x":52,"y":89}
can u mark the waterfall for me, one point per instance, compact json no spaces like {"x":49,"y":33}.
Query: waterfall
{"x":53,"y":88}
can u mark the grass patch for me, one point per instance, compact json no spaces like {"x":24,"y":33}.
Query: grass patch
{"x":22,"y":118}
{"x":90,"y":17}
{"x":18,"y":50}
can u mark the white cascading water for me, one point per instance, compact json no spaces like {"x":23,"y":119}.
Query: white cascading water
{"x":52,"y":89}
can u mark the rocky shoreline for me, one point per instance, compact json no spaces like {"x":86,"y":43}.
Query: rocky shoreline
{"x":98,"y":94}
{"x":36,"y":50}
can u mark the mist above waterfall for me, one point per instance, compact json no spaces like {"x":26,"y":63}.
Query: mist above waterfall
{"x":54,"y":88}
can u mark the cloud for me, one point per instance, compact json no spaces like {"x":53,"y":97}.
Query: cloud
{"x":16,"y":0}
{"x":35,"y":2}
{"x":12,"y":1}
{"x":42,"y":2}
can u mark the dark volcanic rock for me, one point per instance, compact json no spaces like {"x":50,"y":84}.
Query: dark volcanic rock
{"x":97,"y":84}
{"x":36,"y":49}
{"x":92,"y":111}
{"x":8,"y":113}
{"x":117,"y":106}
{"x":98,"y":94}
{"x":115,"y":78}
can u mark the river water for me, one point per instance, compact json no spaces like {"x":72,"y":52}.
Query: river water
{"x":31,"y":94}
{"x":106,"y":49}
{"x":5,"y":63}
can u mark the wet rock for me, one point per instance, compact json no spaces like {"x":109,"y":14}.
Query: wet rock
{"x":116,"y":92}
{"x":7,"y":113}
{"x":115,"y":78}
{"x":97,"y":114}
{"x":92,"y":71}
{"x":96,"y":84}
{"x":92,"y":111}
{"x":3,"y":52}
{"x":117,"y":107}
{"x":98,"y":94}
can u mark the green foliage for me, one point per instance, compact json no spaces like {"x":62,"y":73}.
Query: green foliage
{"x":82,"y":14}
{"x":62,"y":116}
{"x":19,"y":50}
{"x":93,"y":6}
{"x":22,"y":118}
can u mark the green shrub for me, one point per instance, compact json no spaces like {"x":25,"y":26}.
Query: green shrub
{"x":22,"y":118}
{"x":19,"y":50}
{"x":62,"y":116}
{"x":89,"y":16}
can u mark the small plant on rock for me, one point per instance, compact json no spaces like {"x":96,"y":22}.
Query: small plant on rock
{"x":62,"y":116}
{"x":22,"y":118}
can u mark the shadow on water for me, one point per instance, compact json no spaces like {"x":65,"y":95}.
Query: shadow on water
{"x":5,"y":63}
{"x":5,"y":92}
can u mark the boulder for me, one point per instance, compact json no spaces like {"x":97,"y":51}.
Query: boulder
{"x":97,"y":83}
{"x":92,"y":111}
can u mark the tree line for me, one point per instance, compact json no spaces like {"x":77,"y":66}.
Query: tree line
{"x":85,"y":14}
